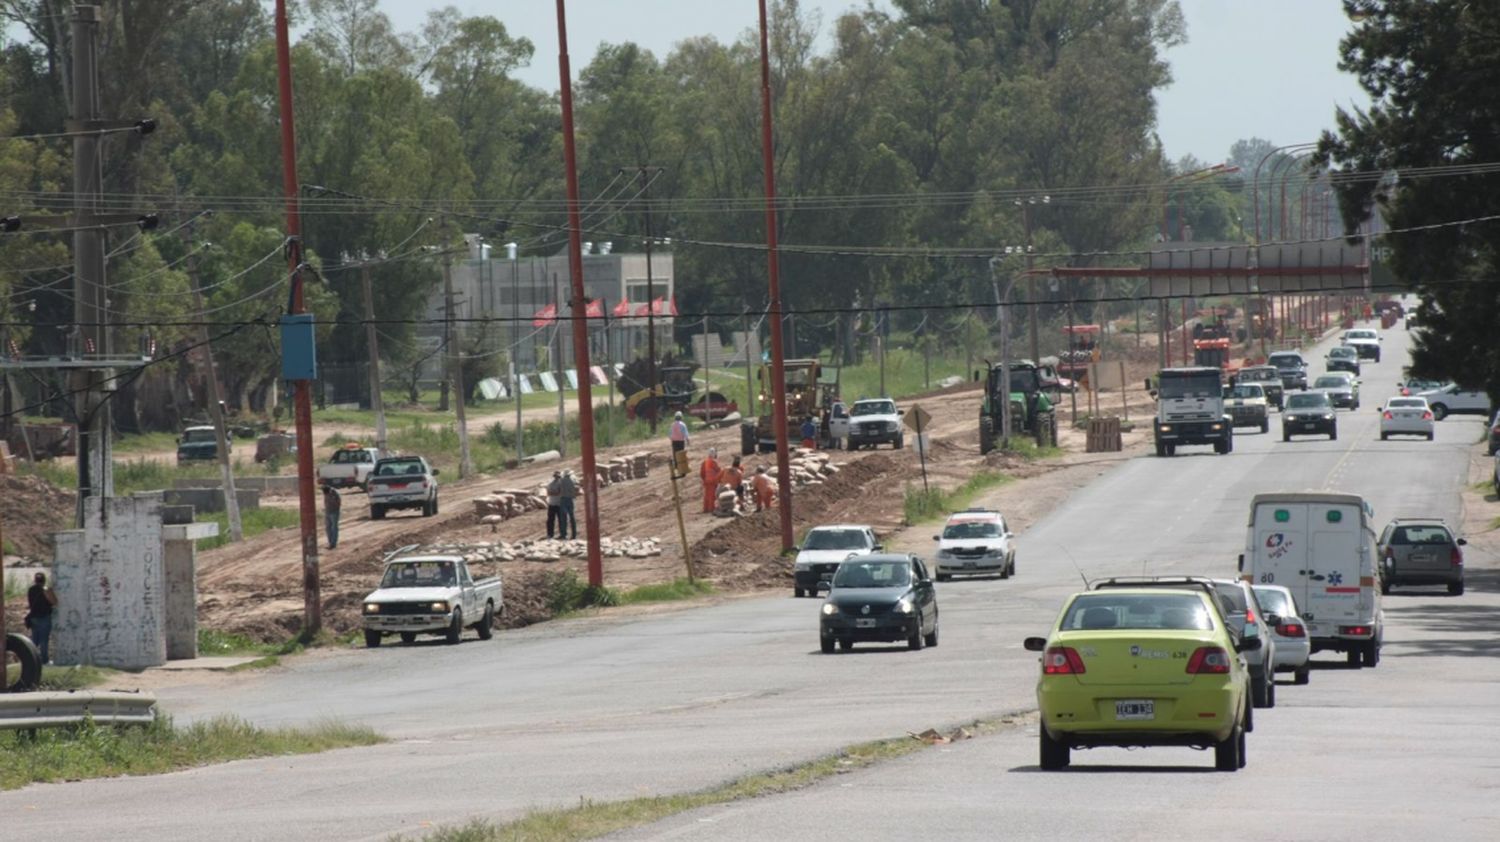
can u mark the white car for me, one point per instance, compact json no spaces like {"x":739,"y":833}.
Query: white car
{"x":1451,"y":400}
{"x":975,"y":541}
{"x":1364,"y":341}
{"x":1406,"y":417}
{"x":1292,"y":646}
{"x":821,"y":551}
{"x":875,"y":421}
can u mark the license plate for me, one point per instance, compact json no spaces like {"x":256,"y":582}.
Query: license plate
{"x":968,"y":565}
{"x":864,"y":623}
{"x":1422,"y":558}
{"x":1135,"y":709}
{"x":1309,"y":426}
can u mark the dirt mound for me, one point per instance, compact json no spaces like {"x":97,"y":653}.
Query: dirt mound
{"x":31,"y":509}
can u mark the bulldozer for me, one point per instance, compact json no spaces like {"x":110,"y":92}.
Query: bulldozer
{"x":672,"y":394}
{"x":1031,"y":410}
{"x":804,"y":398}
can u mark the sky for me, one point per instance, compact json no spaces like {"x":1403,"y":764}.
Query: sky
{"x":1250,"y":68}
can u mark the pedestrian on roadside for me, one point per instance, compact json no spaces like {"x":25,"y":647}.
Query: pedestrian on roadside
{"x":733,"y":478}
{"x":566,"y":517}
{"x":678,"y":434}
{"x":41,"y":601}
{"x":709,"y":472}
{"x":554,"y":502}
{"x":809,"y":433}
{"x":332,"y":503}
{"x":764,"y":491}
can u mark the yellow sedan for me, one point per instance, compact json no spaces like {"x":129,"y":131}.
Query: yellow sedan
{"x":1143,"y":667}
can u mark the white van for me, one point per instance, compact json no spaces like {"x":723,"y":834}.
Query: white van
{"x":1321,"y":547}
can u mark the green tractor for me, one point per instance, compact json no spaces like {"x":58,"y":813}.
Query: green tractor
{"x":1031,"y":410}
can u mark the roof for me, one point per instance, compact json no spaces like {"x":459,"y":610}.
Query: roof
{"x":420,"y":558}
{"x":1192,"y":369}
{"x":1332,"y":497}
{"x":842,"y":526}
{"x":208,"y":427}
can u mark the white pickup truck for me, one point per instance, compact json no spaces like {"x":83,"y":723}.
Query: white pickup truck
{"x":350,"y":466}
{"x":430,"y":594}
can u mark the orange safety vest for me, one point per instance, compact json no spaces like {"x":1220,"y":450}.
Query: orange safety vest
{"x":710,"y":471}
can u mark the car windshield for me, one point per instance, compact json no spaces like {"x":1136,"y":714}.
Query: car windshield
{"x":1341,"y":352}
{"x":1330,"y":383}
{"x":1232,"y":600}
{"x":395,"y":469}
{"x":1307,"y":400}
{"x":1137,"y":611}
{"x":198,"y":435}
{"x":1407,"y":403}
{"x":1196,"y":385}
{"x":874,"y":408}
{"x":1247,"y":392}
{"x":1275,"y":602}
{"x":1285,"y":361}
{"x":1421,"y":535}
{"x":418,"y":574}
{"x":873,"y":574}
{"x":344,"y":457}
{"x":965,"y":529}
{"x":836,"y":539}
{"x":1259,"y":374}
{"x":1360,"y":334}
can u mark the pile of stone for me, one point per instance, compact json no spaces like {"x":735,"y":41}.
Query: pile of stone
{"x":622,"y":468}
{"x":547,"y":549}
{"x":509,"y":502}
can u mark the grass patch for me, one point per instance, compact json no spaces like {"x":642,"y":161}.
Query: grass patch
{"x":1027,"y":449}
{"x":920,"y":505}
{"x":15,"y":587}
{"x":74,"y":678}
{"x":673,"y":591}
{"x":130,"y":475}
{"x":146,"y":442}
{"x":91,"y":751}
{"x":567,"y":593}
{"x":252,"y":522}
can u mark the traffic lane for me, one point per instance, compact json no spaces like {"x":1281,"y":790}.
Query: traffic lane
{"x":1400,"y":751}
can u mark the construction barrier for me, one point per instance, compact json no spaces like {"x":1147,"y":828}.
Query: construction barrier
{"x":1104,"y":435}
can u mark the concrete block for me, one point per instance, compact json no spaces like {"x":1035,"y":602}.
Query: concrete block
{"x":180,"y":620}
{"x":110,"y":586}
{"x":176,"y":515}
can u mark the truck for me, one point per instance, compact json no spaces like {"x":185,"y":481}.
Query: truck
{"x":1322,"y":547}
{"x":430,"y":594}
{"x":198,"y":444}
{"x":402,"y":482}
{"x":1190,"y":410}
{"x":804,"y":399}
{"x":1031,"y":410}
{"x":350,"y":466}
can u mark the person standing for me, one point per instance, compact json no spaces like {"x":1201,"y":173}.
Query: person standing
{"x":809,"y":433}
{"x":765,"y":492}
{"x":678,"y":434}
{"x":41,"y":601}
{"x":567,"y":490}
{"x":332,"y":504}
{"x":554,"y":502}
{"x":733,"y":478}
{"x":709,"y":473}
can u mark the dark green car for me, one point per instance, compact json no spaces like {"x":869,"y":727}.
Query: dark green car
{"x":884,"y":598}
{"x":198,"y":444}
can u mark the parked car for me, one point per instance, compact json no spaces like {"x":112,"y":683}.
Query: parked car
{"x":975,"y":541}
{"x":274,"y":446}
{"x":1416,"y":387}
{"x":883,"y":598}
{"x":1293,"y":650}
{"x":1122,"y":667}
{"x":1309,"y":412}
{"x":403,"y":482}
{"x":1340,"y":387}
{"x":1406,"y":417}
{"x":1245,"y":403}
{"x":430,"y":594}
{"x":875,"y":421}
{"x":1268,"y":378}
{"x":820,"y":552}
{"x":1452,"y":400}
{"x":1292,"y":368}
{"x":1365,"y":341}
{"x":1421,"y":551}
{"x":199,"y":444}
{"x":1342,"y":358}
{"x":350,"y":466}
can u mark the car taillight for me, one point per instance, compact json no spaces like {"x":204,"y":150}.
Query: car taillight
{"x":1062,"y":660}
{"x":1208,"y":660}
{"x":1456,"y":557}
{"x":1359,"y":630}
{"x":1291,"y":630}
{"x":1387,"y":415}
{"x":1250,"y":617}
{"x":1427,"y":415}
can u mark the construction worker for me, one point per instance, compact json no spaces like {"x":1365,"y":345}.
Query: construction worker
{"x":678,"y":434}
{"x":765,"y":492}
{"x":710,"y":472}
{"x":733,"y":477}
{"x":809,"y":433}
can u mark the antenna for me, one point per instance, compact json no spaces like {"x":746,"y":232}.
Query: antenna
{"x":1075,"y":565}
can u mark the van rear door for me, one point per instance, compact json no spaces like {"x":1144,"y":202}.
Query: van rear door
{"x":1333,"y":580}
{"x":1280,"y":548}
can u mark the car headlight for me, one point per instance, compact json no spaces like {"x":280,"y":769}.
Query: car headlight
{"x":892,"y":426}
{"x":372,"y":608}
{"x":804,"y":565}
{"x":829,"y":609}
{"x":1165,"y":428}
{"x":904,"y":606}
{"x":440,"y":608}
{"x":944,"y":554}
{"x":1215,"y":426}
{"x":1328,"y":416}
{"x":995,"y":553}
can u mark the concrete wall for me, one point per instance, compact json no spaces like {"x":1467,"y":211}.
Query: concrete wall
{"x":210,"y":499}
{"x":179,"y":572}
{"x":109,"y":582}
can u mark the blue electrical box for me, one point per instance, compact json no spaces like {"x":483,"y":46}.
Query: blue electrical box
{"x":299,"y":353}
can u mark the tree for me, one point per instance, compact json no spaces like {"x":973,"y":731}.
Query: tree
{"x":1430,"y":68}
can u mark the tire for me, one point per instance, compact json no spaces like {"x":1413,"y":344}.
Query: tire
{"x":1229,"y":755}
{"x":900,"y":443}
{"x":372,"y":639}
{"x":1333,"y":434}
{"x":1301,"y":675}
{"x":1270,"y":690}
{"x":486,"y":627}
{"x":1370,"y":654}
{"x":1353,"y":658}
{"x":1161,"y":450}
{"x":747,"y":440}
{"x":30,"y":660}
{"x":1052,"y":754}
{"x":1385,"y":436}
{"x":944,"y":577}
{"x":1171,"y":450}
{"x":1265,"y":425}
{"x":1356,"y":405}
{"x":1005,"y":572}
{"x":797,"y":593}
{"x":846,"y":644}
{"x":1229,"y":444}
{"x":932,"y":636}
{"x":434,"y":504}
{"x":1439,"y":411}
{"x":1429,"y":436}
{"x":914,"y":643}
{"x":377,"y":512}
{"x":408,"y":638}
{"x":1259,"y":692}
{"x":456,"y":628}
{"x":986,"y":436}
{"x":1456,"y":589}
{"x":1285,"y":436}
{"x":826,"y":644}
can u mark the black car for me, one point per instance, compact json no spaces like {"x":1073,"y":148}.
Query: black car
{"x":884,"y":598}
{"x":1291,"y":367}
{"x":1343,"y":358}
{"x":1309,"y":412}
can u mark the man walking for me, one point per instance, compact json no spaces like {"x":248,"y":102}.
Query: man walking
{"x":710,"y":473}
{"x":332,"y":503}
{"x":40,"y":602}
{"x":678,"y":434}
{"x":554,"y":502}
{"x":566,"y":517}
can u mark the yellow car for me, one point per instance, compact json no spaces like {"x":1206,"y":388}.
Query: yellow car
{"x":1143,"y":667}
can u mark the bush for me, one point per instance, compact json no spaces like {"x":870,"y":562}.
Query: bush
{"x":567,"y":593}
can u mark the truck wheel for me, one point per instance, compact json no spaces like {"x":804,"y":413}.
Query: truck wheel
{"x":434,"y":504}
{"x":1301,"y":675}
{"x":986,"y":436}
{"x":1161,"y":450}
{"x":377,"y":512}
{"x":486,"y":627}
{"x":372,"y":639}
{"x":408,"y":638}
{"x":1171,"y":450}
{"x":456,"y":628}
{"x":826,"y":644}
{"x":1285,"y":436}
{"x":900,"y":442}
{"x":1371,"y":654}
{"x":1456,"y":589}
{"x":1333,"y":434}
{"x":30,"y":661}
{"x":1352,"y":657}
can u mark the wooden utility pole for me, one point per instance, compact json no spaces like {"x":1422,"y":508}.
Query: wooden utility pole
{"x":562,"y":415}
{"x":216,"y":407}
{"x":372,"y":340}
{"x":456,"y":371}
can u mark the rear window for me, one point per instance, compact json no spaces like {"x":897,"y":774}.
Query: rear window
{"x":1274,"y":601}
{"x":1408,"y":403}
{"x":1106,"y":610}
{"x":395,"y":469}
{"x":836,"y":539}
{"x":1421,"y":535}
{"x":1330,"y":383}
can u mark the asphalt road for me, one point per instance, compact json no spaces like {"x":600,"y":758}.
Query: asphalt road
{"x":620,"y":707}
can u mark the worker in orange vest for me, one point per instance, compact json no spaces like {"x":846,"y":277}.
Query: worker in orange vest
{"x":710,"y":472}
{"x":765,"y":492}
{"x":733,"y":478}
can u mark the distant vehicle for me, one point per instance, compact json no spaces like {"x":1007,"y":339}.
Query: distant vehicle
{"x":1342,"y":358}
{"x":350,"y":466}
{"x":875,"y":421}
{"x":1321,"y":547}
{"x":1288,"y":628}
{"x":1340,"y":387}
{"x":883,"y":598}
{"x":1309,"y":412}
{"x":1031,"y":409}
{"x":805,"y":391}
{"x":198,"y":444}
{"x":1421,"y":551}
{"x":1451,"y":400}
{"x":274,"y":445}
{"x":1122,"y":666}
{"x":1190,"y":410}
{"x":1247,"y":407}
{"x":1417,"y":387}
{"x":1365,"y":342}
{"x":1406,"y":417}
{"x":1292,"y":368}
{"x":975,"y":541}
{"x":430,"y":594}
{"x":403,"y":482}
{"x":1268,"y":378}
{"x":823,"y":549}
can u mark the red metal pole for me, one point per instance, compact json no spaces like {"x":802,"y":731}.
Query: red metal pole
{"x":1185,"y":357}
{"x":778,"y":362}
{"x":312,"y":607}
{"x":579,"y":307}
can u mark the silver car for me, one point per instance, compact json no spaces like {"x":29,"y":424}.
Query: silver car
{"x":1244,"y":614}
{"x":1340,"y":387}
{"x":1406,"y":417}
{"x":1293,"y":648}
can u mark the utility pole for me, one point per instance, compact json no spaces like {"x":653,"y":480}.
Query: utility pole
{"x":562,"y":415}
{"x":456,"y":370}
{"x":447,"y":354}
{"x":1036,"y":342}
{"x":377,"y":400}
{"x":511,"y":253}
{"x":706,"y":414}
{"x":216,"y":408}
{"x":646,"y":174}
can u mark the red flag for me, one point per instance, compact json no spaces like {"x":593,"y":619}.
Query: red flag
{"x":643,"y":310}
{"x":545,"y":316}
{"x":622,"y":309}
{"x":661,"y":307}
{"x":595,"y":310}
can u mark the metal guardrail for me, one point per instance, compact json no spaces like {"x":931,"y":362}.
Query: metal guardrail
{"x":23,"y":711}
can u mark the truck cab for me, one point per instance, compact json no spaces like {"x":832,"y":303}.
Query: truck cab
{"x":350,"y":466}
{"x":430,"y":594}
{"x":1190,"y":410}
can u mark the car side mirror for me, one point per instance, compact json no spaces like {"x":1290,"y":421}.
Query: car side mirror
{"x":1035,"y":644}
{"x":796,"y":548}
{"x":1248,"y":644}
{"x":435,"y":472}
{"x":823,"y":585}
{"x":937,"y":537}
{"x":1463,"y":542}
